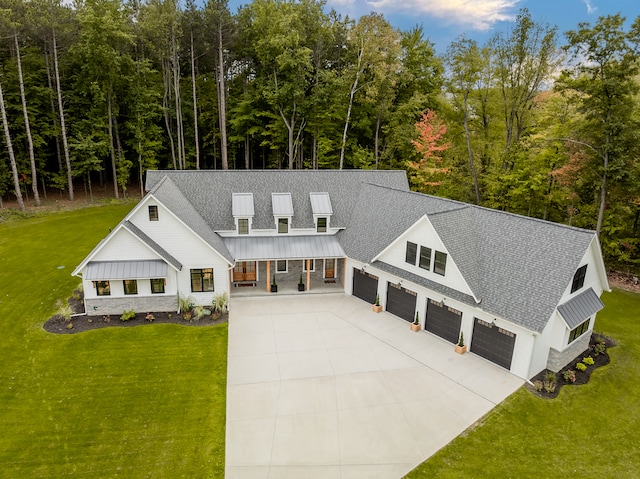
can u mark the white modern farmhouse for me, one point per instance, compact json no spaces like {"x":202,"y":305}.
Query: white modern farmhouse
{"x":524,"y":292}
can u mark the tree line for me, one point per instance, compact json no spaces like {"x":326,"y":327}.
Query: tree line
{"x":528,"y":122}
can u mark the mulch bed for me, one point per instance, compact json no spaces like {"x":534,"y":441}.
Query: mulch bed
{"x":582,"y":377}
{"x":82,"y":322}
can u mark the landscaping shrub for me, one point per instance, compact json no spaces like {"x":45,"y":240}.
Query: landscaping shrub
{"x":65,"y":310}
{"x":599,"y":348}
{"x":185,"y":304}
{"x":127,"y":315}
{"x":569,"y":376}
{"x":588,"y":361}
{"x":221,"y":302}
{"x":581,"y":366}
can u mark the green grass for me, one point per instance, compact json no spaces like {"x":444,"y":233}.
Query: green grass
{"x":137,"y":402}
{"x":588,"y":431}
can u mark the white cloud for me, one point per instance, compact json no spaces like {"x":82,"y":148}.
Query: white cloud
{"x":476,"y":14}
{"x":590,"y":8}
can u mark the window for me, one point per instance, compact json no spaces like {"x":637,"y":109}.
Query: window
{"x":130,"y":286}
{"x":322,"y":225}
{"x":243,"y":226}
{"x":201,"y":280}
{"x":579,"y":331}
{"x":425,"y":257}
{"x":578,"y":278}
{"x":281,"y":266}
{"x":440,"y":264}
{"x":157,"y":285}
{"x":283,"y":225}
{"x":312,"y":262}
{"x":153,"y":213}
{"x":103,"y":288}
{"x":412,"y":251}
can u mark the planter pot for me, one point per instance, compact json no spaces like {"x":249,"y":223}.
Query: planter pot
{"x":301,"y":287}
{"x":274,"y":288}
{"x":377,"y":309}
{"x":415,"y":327}
{"x":461,"y":349}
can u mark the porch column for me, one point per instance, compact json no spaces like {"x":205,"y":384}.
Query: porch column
{"x":308,"y":274}
{"x":268,"y":276}
{"x":344,"y":271}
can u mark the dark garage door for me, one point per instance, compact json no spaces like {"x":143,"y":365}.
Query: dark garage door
{"x":401,"y":302}
{"x":443,"y":321}
{"x":365,"y":286}
{"x":493,"y":343}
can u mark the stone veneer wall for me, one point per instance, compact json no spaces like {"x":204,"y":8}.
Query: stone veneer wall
{"x":140,"y":304}
{"x":559,"y":359}
{"x":293,"y":273}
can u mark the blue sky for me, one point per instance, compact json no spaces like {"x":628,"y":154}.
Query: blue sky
{"x":444,"y":20}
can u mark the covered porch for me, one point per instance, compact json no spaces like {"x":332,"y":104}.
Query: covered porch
{"x":292,"y":264}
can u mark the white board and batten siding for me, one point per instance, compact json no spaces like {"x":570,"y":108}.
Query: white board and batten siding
{"x":422,"y":233}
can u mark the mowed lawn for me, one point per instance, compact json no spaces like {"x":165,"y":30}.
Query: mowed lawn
{"x":141,"y":402}
{"x":588,"y":431}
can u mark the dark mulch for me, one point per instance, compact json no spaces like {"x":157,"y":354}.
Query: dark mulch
{"x":582,"y":377}
{"x":81,"y":322}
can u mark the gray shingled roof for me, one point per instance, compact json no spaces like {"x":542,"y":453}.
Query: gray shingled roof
{"x":579,"y":308}
{"x":209,"y":192}
{"x":152,"y":244}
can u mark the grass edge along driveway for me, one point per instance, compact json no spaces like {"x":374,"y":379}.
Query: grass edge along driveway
{"x":587,"y":431}
{"x":136,"y":402}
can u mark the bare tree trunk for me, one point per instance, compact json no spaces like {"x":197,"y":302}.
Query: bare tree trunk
{"x":63,"y":128}
{"x":314,"y":152}
{"x":195,"y":104}
{"x":247,"y":158}
{"x":377,"y":140}
{"x":603,"y":189}
{"x":112,"y":152}
{"x":32,"y":160}
{"x":222,"y":100}
{"x":472,"y":165}
{"x":53,"y":115}
{"x":176,"y":89}
{"x":119,"y":150}
{"x":352,"y":94}
{"x":12,"y":158}
{"x":165,"y":107}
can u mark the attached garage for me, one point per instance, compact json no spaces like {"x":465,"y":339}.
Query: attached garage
{"x":365,"y":285}
{"x":443,"y":321}
{"x":401,"y":302}
{"x":493,"y":343}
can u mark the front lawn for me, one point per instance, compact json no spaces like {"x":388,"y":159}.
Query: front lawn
{"x":588,"y":431}
{"x":138,"y":402}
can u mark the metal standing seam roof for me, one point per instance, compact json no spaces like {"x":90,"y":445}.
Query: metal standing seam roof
{"x":283,"y":247}
{"x":242,"y":204}
{"x":106,"y":270}
{"x":578,"y":309}
{"x":282,"y":204}
{"x":320,"y":203}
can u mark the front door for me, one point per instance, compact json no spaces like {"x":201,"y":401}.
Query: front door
{"x":330,"y":268}
{"x":244,"y":271}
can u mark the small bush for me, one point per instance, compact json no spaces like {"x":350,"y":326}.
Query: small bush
{"x":221,"y":302}
{"x":106,"y":318}
{"x":569,"y":376}
{"x":588,"y":361}
{"x":599,"y":348}
{"x":128,"y":315}
{"x":537,"y":385}
{"x":65,"y":310}
{"x":187,"y":316}
{"x":149,"y":317}
{"x":70,"y":326}
{"x":185,"y":304}
{"x":76,"y":295}
{"x":198,"y":313}
{"x":549,"y":386}
{"x":550,"y":376}
{"x":581,"y":366}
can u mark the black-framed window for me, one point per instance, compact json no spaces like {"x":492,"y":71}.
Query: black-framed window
{"x":412,"y":253}
{"x":579,"y":331}
{"x":153,"y":213}
{"x":578,"y":278}
{"x":243,"y":226}
{"x":281,"y":266}
{"x":322,"y":225}
{"x":312,"y":263}
{"x":130,"y":286}
{"x":425,"y":258}
{"x":103,"y":288}
{"x":440,"y":263}
{"x":157,"y":285}
{"x":283,"y":225}
{"x":202,"y":280}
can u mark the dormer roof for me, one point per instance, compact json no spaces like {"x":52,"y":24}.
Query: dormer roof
{"x":282,"y":204}
{"x":321,"y":204}
{"x":242,"y":205}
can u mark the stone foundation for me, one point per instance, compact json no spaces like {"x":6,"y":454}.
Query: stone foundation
{"x":559,"y":359}
{"x":140,"y":304}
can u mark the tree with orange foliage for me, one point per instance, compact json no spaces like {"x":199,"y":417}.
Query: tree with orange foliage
{"x":428,"y":171}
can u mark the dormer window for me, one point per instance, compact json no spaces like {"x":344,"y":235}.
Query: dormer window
{"x":283,"y":225}
{"x":322,"y":211}
{"x":242,"y":209}
{"x":282,"y":211}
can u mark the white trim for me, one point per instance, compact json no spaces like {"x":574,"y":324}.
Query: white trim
{"x":286,"y":266}
{"x":313,"y":265}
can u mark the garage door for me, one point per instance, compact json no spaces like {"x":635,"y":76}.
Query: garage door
{"x":365,"y":286}
{"x":443,"y":321}
{"x":493,"y":343}
{"x":401,"y":302}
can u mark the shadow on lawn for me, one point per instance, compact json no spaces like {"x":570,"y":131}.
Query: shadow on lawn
{"x":80,"y":321}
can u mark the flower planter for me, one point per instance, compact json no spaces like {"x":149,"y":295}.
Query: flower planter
{"x":274,"y":288}
{"x":377,"y":309}
{"x":415,"y":327}
{"x":461,"y":349}
{"x":300,"y":287}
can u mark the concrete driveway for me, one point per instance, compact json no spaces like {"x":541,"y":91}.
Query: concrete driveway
{"x":319,"y":386}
